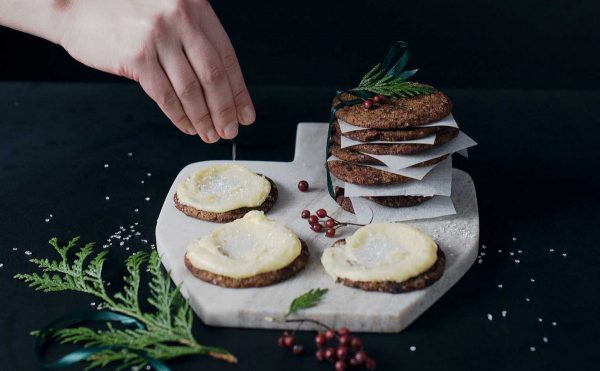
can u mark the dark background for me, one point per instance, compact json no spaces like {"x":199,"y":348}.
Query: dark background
{"x":473,"y":44}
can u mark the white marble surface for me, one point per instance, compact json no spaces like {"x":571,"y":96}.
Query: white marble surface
{"x":458,"y":235}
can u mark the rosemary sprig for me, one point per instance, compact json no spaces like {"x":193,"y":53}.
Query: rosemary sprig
{"x":168,"y":327}
{"x":307,"y":300}
{"x":389,"y":78}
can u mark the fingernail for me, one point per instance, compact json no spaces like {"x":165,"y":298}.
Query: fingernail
{"x":248,"y":115}
{"x":192,"y":131}
{"x":231,"y":130}
{"x":212,"y":135}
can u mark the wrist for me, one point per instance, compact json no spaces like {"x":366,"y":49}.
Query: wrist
{"x":47,"y":19}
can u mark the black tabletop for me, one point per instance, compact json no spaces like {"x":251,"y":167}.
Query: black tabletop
{"x":66,"y":148}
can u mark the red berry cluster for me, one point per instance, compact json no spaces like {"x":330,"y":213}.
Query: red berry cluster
{"x":317,"y":224}
{"x":287,"y":341}
{"x":373,"y":102}
{"x":348,"y":352}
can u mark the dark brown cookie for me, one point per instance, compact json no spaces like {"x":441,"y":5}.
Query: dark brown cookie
{"x":371,"y":135}
{"x":397,"y":113}
{"x":356,"y":157}
{"x":363,"y":175}
{"x":389,"y":201}
{"x":399,"y":148}
{"x":260,"y":280}
{"x":231,"y":215}
{"x":418,"y":282}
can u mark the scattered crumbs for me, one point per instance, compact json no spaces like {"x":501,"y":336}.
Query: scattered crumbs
{"x":105,"y":166}
{"x":504,"y":313}
{"x":127,"y":248}
{"x":483,"y":247}
{"x":554,"y":323}
{"x":47,"y":220}
{"x":482,"y":253}
{"x":142,"y":181}
{"x":540,"y":319}
{"x":147,"y":198}
{"x":511,"y":253}
{"x":517,"y":261}
{"x":500,"y":286}
{"x":551,"y":250}
{"x":104,"y":246}
{"x":527,"y":299}
{"x":27,"y":252}
{"x":92,"y":304}
{"x":144,"y":241}
{"x":489,"y":317}
{"x":1,"y":265}
{"x":108,"y":284}
{"x":130,"y":154}
{"x":480,"y":261}
{"x":413,"y":348}
{"x":532,"y":349}
{"x":51,"y":216}
{"x":520,"y":252}
{"x":149,"y":174}
{"x":514,"y":238}
{"x":499,"y":251}
{"x":14,"y":249}
{"x":136,"y":210}
{"x":545,"y":339}
{"x":564,"y":254}
{"x":122,"y":243}
{"x":107,"y":198}
{"x":532,"y":280}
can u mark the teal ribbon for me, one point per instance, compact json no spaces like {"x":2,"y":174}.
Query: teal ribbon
{"x":393,"y":63}
{"x":47,"y":334}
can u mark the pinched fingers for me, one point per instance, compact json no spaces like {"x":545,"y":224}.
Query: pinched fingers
{"x":156,"y":84}
{"x":189,"y":91}
{"x":211,"y":73}
{"x":210,"y":24}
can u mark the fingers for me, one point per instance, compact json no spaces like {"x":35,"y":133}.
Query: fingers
{"x":209,"y":68}
{"x":189,"y":91}
{"x":156,"y":84}
{"x":210,"y":24}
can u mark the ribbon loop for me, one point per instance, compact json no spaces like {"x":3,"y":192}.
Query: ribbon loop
{"x":74,"y":319}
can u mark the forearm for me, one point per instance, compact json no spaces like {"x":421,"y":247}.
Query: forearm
{"x":42,"y":18}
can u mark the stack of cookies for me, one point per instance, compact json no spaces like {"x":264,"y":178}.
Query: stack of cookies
{"x":388,"y":153}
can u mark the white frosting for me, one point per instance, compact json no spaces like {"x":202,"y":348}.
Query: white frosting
{"x":381,"y":252}
{"x":245,"y":247}
{"x":222,"y":188}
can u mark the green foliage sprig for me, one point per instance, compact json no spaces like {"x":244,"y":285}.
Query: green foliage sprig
{"x":307,"y":300}
{"x":389,"y":78}
{"x":168,"y":326}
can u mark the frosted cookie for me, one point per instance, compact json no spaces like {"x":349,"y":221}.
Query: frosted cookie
{"x":397,"y":113}
{"x":385,"y":257}
{"x":222,"y":193}
{"x":249,"y":252}
{"x":388,"y":201}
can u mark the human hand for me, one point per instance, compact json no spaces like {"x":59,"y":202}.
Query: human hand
{"x":176,"y":49}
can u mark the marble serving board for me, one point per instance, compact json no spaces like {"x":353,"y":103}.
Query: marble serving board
{"x":458,"y":236}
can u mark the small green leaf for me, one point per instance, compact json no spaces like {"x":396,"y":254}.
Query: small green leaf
{"x":307,"y":300}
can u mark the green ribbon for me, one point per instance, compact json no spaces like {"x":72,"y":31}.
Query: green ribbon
{"x":47,"y":334}
{"x":393,"y":63}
